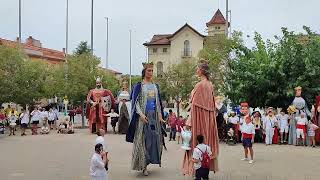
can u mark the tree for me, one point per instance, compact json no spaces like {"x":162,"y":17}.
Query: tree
{"x":266,"y":74}
{"x":178,"y":81}
{"x":83,"y":48}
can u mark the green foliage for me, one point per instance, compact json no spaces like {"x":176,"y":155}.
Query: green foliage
{"x":178,"y":81}
{"x":83,"y":48}
{"x":266,"y":74}
{"x":25,"y":81}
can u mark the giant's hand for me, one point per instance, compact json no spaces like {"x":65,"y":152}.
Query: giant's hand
{"x":144,"y":118}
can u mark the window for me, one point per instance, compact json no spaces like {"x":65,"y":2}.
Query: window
{"x":217,"y":27}
{"x":186,"y":48}
{"x":165,"y":50}
{"x":154,"y":50}
{"x":159,"y":69}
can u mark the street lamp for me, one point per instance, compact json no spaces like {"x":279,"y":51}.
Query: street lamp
{"x":19,"y":22}
{"x":91,"y":26}
{"x":130,"y":61}
{"x":107,"y":41}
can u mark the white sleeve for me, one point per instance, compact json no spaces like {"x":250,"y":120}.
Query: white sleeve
{"x":196,"y":154}
{"x":98,"y":163}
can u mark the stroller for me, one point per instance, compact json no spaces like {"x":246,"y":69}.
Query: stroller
{"x":231,"y":135}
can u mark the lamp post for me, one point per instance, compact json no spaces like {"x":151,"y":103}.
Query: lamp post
{"x":91,"y":26}
{"x":107,"y":41}
{"x":130,"y":61}
{"x":19,"y":22}
{"x":67,"y":26}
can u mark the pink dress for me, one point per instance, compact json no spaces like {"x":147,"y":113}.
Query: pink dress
{"x":202,"y":121}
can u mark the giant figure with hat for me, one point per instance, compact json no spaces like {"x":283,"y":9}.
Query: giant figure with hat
{"x":300,"y":106}
{"x":99,"y":103}
{"x":316,"y":118}
{"x":145,"y":130}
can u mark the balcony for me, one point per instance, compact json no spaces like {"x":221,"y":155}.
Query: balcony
{"x":186,"y":54}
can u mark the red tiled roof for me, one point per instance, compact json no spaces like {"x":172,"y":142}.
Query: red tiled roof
{"x":164,"y":39}
{"x":159,"y":39}
{"x":34,"y":51}
{"x":218,"y":18}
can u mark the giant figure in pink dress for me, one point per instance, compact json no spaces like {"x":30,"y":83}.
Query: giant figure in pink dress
{"x":202,"y":119}
{"x":99,"y":103}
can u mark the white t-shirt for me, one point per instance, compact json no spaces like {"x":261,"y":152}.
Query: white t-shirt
{"x":197,"y":154}
{"x":35,"y":115}
{"x":247,"y":128}
{"x":24,"y":118}
{"x":44,"y":114}
{"x":12,"y":119}
{"x":234,"y":120}
{"x":269,"y":122}
{"x":100,"y":140}
{"x":283,"y":120}
{"x":97,"y":167}
{"x":51,"y":116}
{"x":301,"y":121}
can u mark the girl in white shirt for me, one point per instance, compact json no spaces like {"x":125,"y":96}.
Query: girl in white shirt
{"x":12,"y":120}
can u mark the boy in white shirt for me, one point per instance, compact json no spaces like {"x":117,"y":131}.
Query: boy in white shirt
{"x":12,"y":121}
{"x":98,"y":163}
{"x":268,"y":125}
{"x":36,"y":115}
{"x":24,"y":121}
{"x":201,"y":158}
{"x":247,"y":131}
{"x":284,"y":125}
{"x":301,"y":128}
{"x":51,"y":118}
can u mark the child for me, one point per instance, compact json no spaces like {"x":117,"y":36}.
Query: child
{"x":98,"y":163}
{"x":36,"y":115}
{"x":45,"y":129}
{"x":284,"y":125}
{"x":114,"y":119}
{"x":12,"y":121}
{"x":51,"y":118}
{"x":248,"y":131}
{"x":311,"y":133}
{"x":179,"y":125}
{"x":301,"y":128}
{"x":24,"y":121}
{"x":269,"y":123}
{"x":201,"y":158}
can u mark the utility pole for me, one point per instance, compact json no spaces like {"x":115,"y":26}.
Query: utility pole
{"x":107,"y":42}
{"x":230,"y":23}
{"x":19,"y":22}
{"x":130,"y":62}
{"x":67,"y":27}
{"x":227,"y":18}
{"x":91,"y":26}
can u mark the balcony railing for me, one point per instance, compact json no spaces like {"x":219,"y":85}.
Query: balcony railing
{"x":186,"y":53}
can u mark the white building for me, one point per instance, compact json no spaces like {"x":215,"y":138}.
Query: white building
{"x":167,"y":49}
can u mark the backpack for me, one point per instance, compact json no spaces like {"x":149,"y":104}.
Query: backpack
{"x":205,"y":163}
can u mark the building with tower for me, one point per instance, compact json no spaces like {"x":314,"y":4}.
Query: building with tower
{"x":165,"y":50}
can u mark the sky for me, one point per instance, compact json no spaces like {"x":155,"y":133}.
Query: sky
{"x":46,"y":20}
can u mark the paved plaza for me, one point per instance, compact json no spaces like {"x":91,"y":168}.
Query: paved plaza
{"x":67,"y":157}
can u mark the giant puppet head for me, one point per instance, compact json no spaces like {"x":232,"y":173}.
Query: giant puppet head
{"x":298,"y":91}
{"x":98,"y":82}
{"x":244,"y":108}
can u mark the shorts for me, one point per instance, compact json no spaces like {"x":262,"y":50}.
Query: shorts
{"x":114,"y":122}
{"x":35,"y":122}
{"x":284,"y":129}
{"x":202,"y":173}
{"x":246,"y":142}
{"x":51,"y":122}
{"x":300,"y":133}
{"x":178,"y":134}
{"x":24,"y":125}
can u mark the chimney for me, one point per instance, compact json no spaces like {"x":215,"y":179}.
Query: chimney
{"x":64,"y":51}
{"x":29,"y":41}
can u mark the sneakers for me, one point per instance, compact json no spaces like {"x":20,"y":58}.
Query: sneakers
{"x":251,"y":161}
{"x":145,"y":172}
{"x":244,"y":159}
